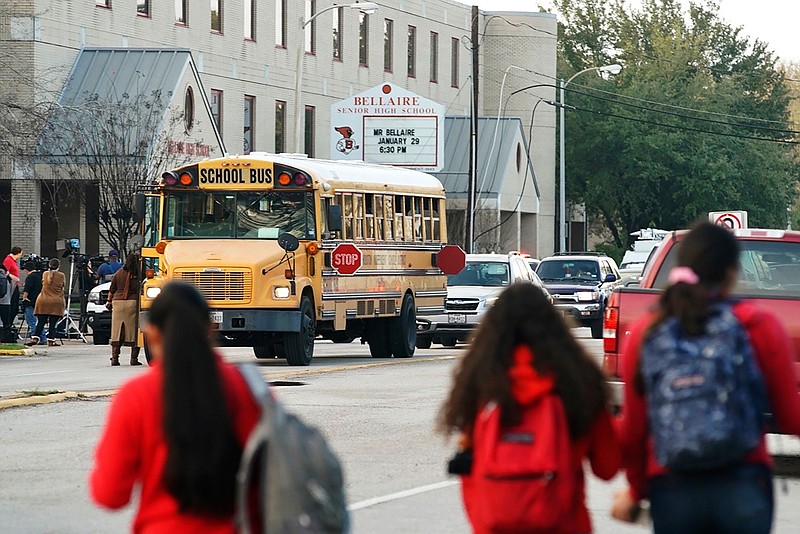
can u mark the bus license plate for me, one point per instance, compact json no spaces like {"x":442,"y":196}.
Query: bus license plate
{"x":216,"y":317}
{"x":456,"y":318}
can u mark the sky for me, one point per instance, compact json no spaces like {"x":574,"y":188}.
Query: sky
{"x":772,"y":21}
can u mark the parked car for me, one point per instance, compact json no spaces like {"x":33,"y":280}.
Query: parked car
{"x":98,"y":316}
{"x":470,"y":293}
{"x":580,"y":284}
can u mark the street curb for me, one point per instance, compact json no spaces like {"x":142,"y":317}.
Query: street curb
{"x":38,"y":399}
{"x":7,"y":353}
{"x":64,"y":395}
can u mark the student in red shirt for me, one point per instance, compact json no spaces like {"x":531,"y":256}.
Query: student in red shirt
{"x":735,"y":498}
{"x":176,"y":431}
{"x":522,"y":350}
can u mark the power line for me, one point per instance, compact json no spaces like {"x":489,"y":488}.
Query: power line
{"x":686,"y":128}
{"x":681,"y":115}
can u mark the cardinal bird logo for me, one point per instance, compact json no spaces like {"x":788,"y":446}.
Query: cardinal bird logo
{"x":346,"y":144}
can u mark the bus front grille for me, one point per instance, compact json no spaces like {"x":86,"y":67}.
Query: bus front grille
{"x":220,"y":286}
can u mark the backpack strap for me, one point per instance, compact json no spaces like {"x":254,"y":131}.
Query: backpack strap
{"x":256,"y":442}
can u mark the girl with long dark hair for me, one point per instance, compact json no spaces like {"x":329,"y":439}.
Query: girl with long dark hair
{"x":178,"y":429}
{"x":737,"y":496}
{"x":521,"y":350}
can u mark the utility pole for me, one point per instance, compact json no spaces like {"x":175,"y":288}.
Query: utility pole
{"x":473,"y":140}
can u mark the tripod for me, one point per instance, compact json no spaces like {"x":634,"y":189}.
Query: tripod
{"x":70,"y":322}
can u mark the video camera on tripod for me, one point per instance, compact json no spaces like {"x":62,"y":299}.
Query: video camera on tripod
{"x":39,"y":263}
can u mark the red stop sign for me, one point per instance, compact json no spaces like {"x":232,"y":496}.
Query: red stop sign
{"x":346,"y":258}
{"x":451,"y":259}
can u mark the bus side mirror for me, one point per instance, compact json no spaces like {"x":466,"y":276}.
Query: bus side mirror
{"x":139,"y":206}
{"x":334,"y":218}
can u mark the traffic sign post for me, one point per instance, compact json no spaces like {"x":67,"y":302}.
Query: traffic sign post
{"x":733,"y":220}
{"x":346,"y":258}
{"x":451,"y":259}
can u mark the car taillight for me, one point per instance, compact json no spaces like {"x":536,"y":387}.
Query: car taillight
{"x":610,"y":325}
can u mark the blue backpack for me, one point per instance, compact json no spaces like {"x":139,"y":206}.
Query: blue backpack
{"x":705,"y":394}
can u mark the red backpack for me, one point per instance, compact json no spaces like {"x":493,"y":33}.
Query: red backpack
{"x":521,"y":479}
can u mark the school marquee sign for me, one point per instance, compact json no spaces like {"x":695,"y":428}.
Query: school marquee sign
{"x":389,"y":125}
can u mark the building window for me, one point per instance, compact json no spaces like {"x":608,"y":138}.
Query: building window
{"x":216,"y":16}
{"x":311,"y":29}
{"x":182,"y":11}
{"x":103,"y":3}
{"x":280,"y":23}
{"x":280,"y":126}
{"x":434,"y":57}
{"x":412,"y":51}
{"x":250,"y":20}
{"x":308,"y":131}
{"x":388,"y":40}
{"x":454,"y":62}
{"x":338,"y":25}
{"x":249,"y":123}
{"x":216,"y":108}
{"x":188,"y":110}
{"x":143,"y":8}
{"x":363,"y":39}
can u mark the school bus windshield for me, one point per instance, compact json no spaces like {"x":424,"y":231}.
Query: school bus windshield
{"x":242,"y":215}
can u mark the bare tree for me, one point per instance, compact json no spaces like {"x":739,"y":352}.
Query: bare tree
{"x":117,"y":144}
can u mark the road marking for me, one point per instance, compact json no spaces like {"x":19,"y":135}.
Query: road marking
{"x":401,"y":495}
{"x":267,"y":373}
{"x":45,"y":373}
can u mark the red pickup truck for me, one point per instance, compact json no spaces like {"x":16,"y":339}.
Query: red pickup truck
{"x":769,"y":275}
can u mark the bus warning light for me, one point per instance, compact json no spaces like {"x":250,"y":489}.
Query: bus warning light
{"x":285,"y":178}
{"x":186,"y":179}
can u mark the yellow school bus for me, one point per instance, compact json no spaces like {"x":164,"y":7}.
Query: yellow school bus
{"x":287,"y":248}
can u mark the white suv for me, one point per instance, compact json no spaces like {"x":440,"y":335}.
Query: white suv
{"x":470,"y":293}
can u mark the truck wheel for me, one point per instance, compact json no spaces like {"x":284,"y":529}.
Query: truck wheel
{"x":403,"y":329}
{"x":424,"y":342}
{"x":597,"y":329}
{"x":378,"y":339}
{"x":99,"y":338}
{"x":146,"y":348}
{"x":299,"y":346}
{"x":265,"y":352}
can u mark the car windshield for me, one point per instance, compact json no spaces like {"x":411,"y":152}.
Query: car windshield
{"x":562,"y":269}
{"x":481,"y":273}
{"x":250,"y":215}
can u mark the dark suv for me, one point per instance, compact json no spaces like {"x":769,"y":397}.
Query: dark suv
{"x":580,"y":283}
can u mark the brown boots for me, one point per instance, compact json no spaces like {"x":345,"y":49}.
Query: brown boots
{"x":135,"y":356}
{"x":115,"y":348}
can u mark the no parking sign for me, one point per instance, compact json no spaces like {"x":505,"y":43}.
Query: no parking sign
{"x":734,"y":220}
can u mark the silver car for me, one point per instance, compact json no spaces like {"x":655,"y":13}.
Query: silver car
{"x":470,"y":294}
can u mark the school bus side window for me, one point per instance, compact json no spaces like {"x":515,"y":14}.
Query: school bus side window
{"x":398,"y":218}
{"x":369,"y":216}
{"x":418,"y":230}
{"x":388,"y":212}
{"x":358,"y":220}
{"x":379,"y":235}
{"x":347,"y":208}
{"x":436,"y":221}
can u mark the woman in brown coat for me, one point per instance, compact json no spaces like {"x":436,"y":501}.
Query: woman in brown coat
{"x":50,"y":304}
{"x":122,"y":296}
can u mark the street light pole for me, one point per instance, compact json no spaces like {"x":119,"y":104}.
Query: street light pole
{"x":364,"y":7}
{"x":562,"y":187}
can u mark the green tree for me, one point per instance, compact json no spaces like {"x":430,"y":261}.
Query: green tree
{"x":635,"y":163}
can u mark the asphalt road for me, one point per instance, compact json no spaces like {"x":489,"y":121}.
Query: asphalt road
{"x":378,"y":415}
